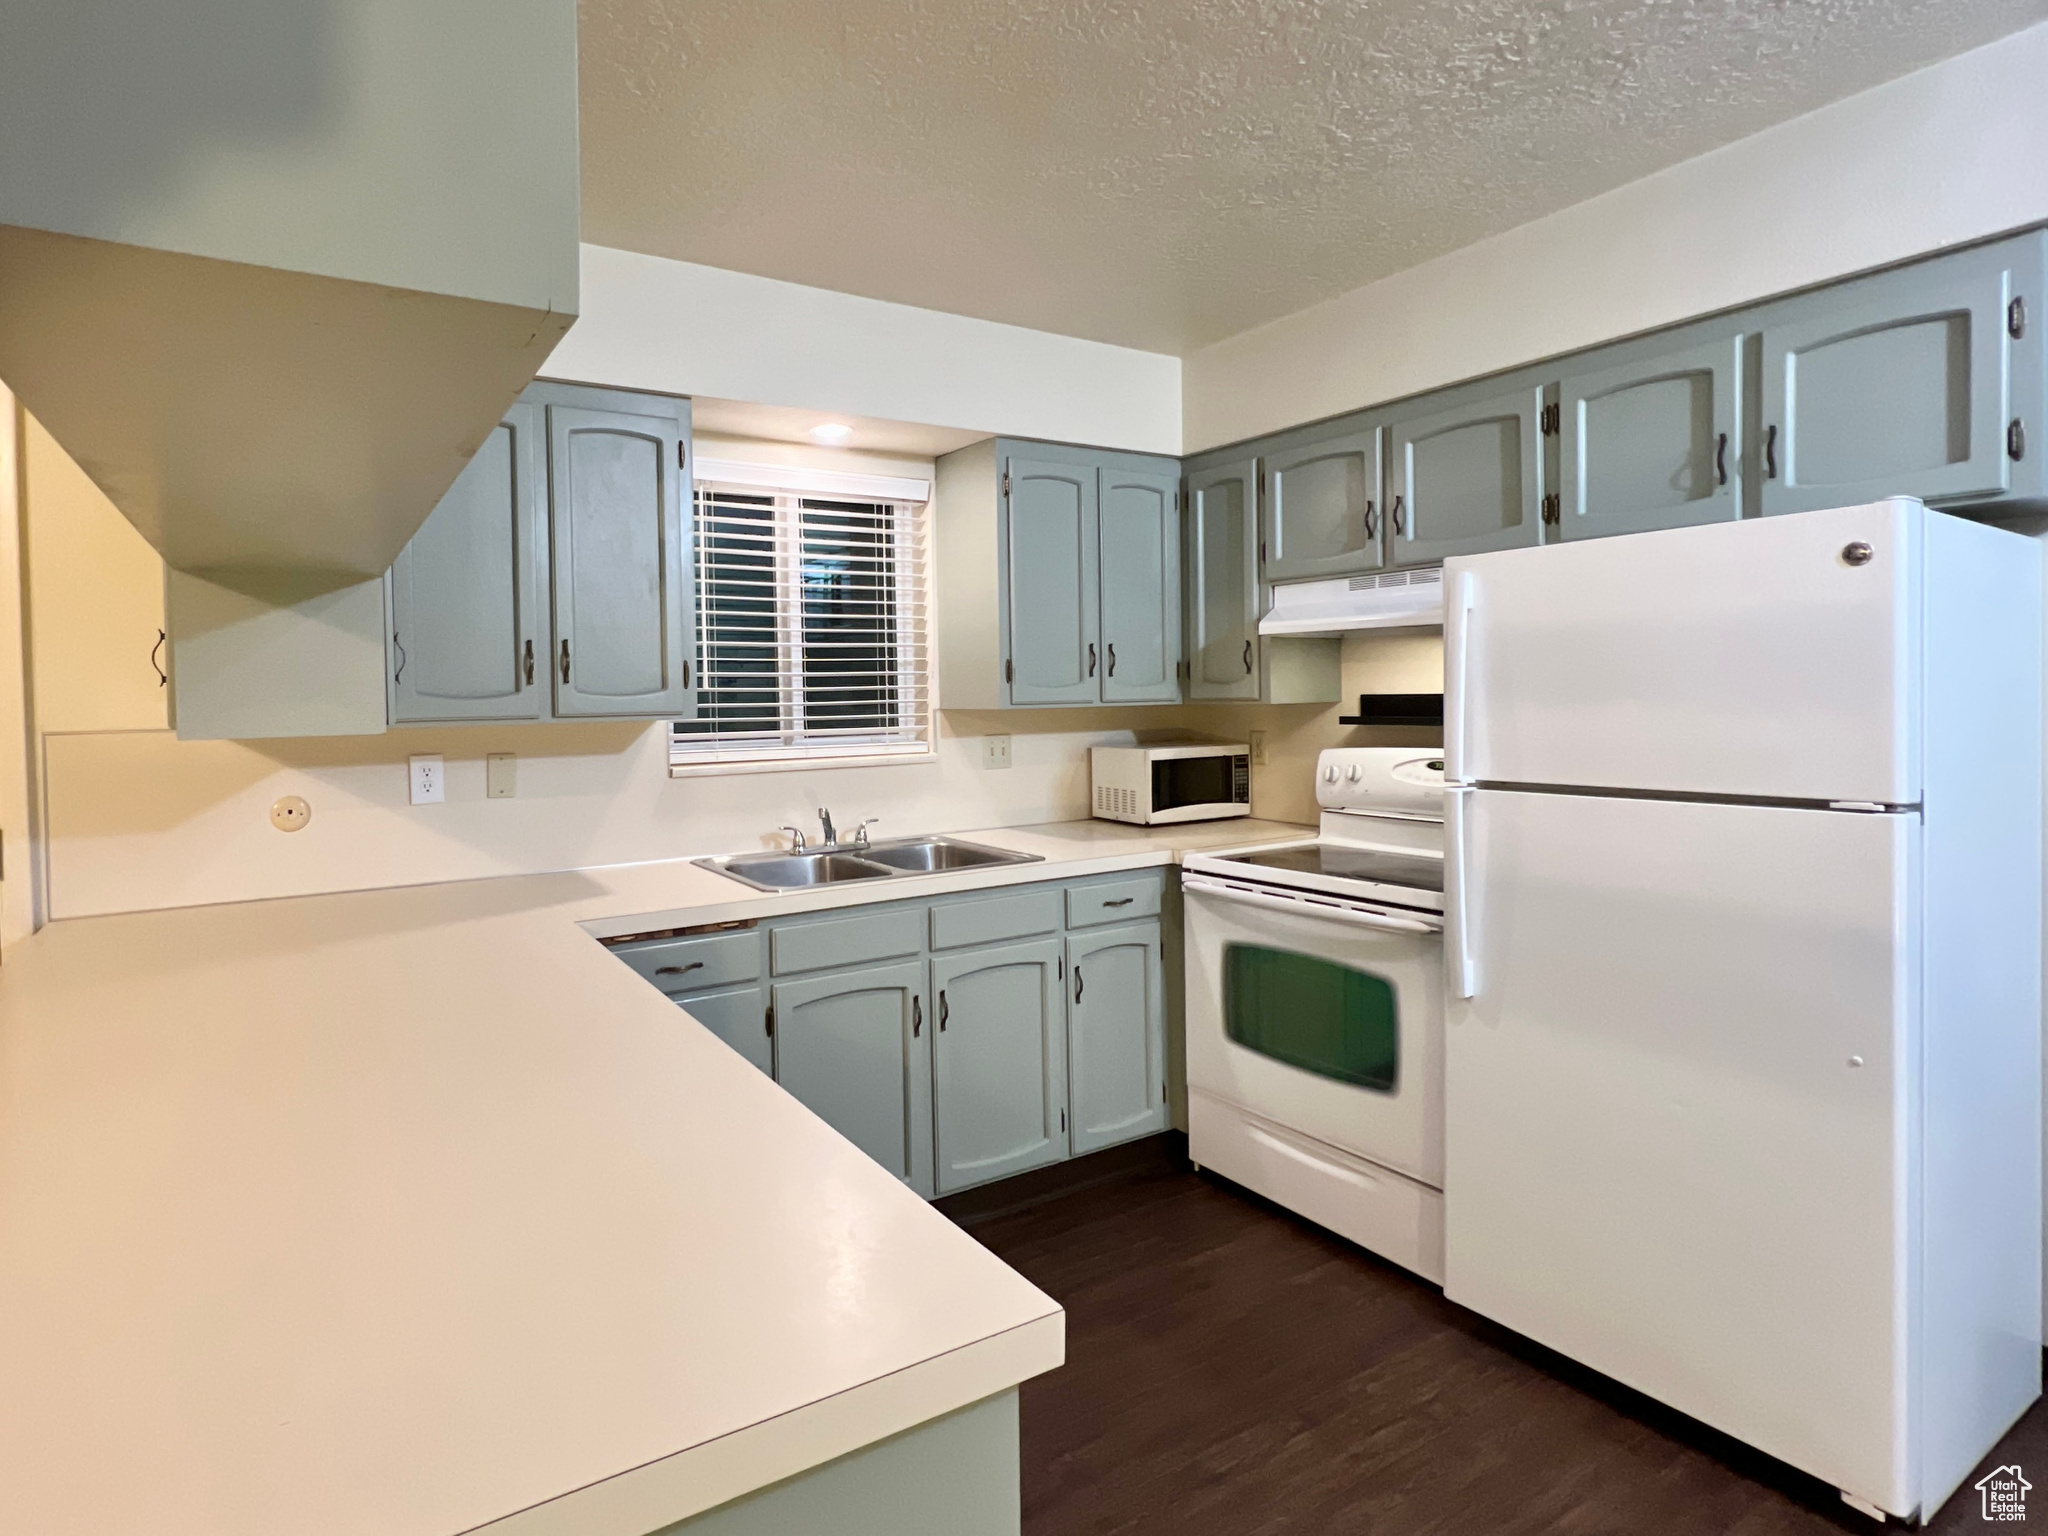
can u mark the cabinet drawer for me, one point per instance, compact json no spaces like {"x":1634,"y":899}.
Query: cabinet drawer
{"x":988,"y":919}
{"x":692,"y":963}
{"x":1114,"y":901}
{"x":846,"y":938}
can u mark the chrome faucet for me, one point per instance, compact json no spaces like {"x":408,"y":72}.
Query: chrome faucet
{"x":831,"y":832}
{"x":796,"y":838}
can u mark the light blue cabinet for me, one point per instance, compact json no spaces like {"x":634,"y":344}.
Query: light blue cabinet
{"x":1138,"y":578}
{"x":739,"y":1016}
{"x":469,"y":621}
{"x":1116,"y":1035}
{"x":1652,"y":436}
{"x":1049,"y":551}
{"x":999,"y":1062}
{"x":1466,"y":474}
{"x":1222,"y":562}
{"x":855,"y":1047}
{"x":1322,"y":494}
{"x":623,"y":579}
{"x":1894,"y":385}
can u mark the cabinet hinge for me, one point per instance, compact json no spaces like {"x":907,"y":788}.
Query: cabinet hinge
{"x":1552,"y":510}
{"x":1006,"y":484}
{"x":2015,"y":441}
{"x":1063,"y":1122}
{"x":682,"y":455}
{"x":1551,"y":420}
{"x":2016,"y":319}
{"x":1063,"y":967}
{"x":1009,"y":671}
{"x":769,"y":1022}
{"x":1262,"y":551}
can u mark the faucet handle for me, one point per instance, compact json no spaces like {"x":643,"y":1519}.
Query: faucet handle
{"x":798,"y":834}
{"x":860,"y":833}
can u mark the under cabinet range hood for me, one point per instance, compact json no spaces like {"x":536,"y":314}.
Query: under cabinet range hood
{"x":271,"y":274}
{"x":1388,"y":600}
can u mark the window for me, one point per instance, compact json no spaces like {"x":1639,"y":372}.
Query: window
{"x":810,"y":619}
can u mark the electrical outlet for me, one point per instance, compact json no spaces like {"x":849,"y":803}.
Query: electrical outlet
{"x":1258,"y":744}
{"x":501,"y":775}
{"x":995,"y":751}
{"x":429,"y":787}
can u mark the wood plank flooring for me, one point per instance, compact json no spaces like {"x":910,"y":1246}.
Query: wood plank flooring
{"x":1236,"y":1371}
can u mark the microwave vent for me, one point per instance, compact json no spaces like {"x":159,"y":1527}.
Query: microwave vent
{"x":1112,"y":801}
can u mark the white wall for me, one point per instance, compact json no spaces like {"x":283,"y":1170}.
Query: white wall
{"x":1953,"y":153}
{"x":651,"y":323}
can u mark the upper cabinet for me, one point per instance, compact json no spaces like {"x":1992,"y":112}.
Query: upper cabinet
{"x":469,"y":627}
{"x":1650,"y":436}
{"x":1322,"y":493}
{"x":1223,"y":580}
{"x":624,"y":604}
{"x":1059,"y":576}
{"x":1466,"y":473}
{"x":1901,"y":384}
{"x":555,"y":578}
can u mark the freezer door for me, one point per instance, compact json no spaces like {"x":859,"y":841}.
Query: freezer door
{"x":1676,"y":1141}
{"x":1773,"y":658}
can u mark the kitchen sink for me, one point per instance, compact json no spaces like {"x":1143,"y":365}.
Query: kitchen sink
{"x":929,"y":855}
{"x":894,"y":859}
{"x":795,"y":871}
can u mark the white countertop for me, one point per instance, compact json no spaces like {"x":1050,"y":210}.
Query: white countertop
{"x":414,"y":1211}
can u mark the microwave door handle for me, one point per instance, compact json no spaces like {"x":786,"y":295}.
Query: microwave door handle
{"x":1458,"y":662}
{"x":1459,"y":957}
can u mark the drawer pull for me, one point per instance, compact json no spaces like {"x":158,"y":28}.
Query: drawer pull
{"x":679,"y":970}
{"x":1121,"y":901}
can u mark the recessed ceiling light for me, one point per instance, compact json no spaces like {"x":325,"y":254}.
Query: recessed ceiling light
{"x":832,"y":432}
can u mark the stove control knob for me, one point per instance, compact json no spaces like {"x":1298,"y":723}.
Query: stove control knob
{"x":1355,"y":774}
{"x":1330,"y":774}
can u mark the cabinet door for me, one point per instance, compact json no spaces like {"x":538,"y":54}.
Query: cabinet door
{"x":1116,"y":1035}
{"x":1322,"y":507}
{"x":1222,"y":583}
{"x":853,"y":1047}
{"x":1467,"y":479}
{"x":1139,"y":580}
{"x":739,"y":1017}
{"x":1894,"y":386}
{"x":469,"y":630}
{"x":1654,"y":443}
{"x":1049,"y":591}
{"x":999,"y":1062}
{"x":624,"y":599}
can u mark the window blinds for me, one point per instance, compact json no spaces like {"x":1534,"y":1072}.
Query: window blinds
{"x":812,"y":628}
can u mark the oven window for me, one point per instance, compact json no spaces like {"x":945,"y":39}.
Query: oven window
{"x":1179,"y":782}
{"x":1314,"y":1014}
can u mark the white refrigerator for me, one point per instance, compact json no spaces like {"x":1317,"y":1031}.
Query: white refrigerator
{"x":1743,"y":926}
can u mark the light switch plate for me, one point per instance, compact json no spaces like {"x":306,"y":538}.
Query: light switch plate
{"x":429,"y":786}
{"x":501,"y":775}
{"x":995,"y":751}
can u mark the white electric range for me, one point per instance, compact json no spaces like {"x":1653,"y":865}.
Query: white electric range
{"x":1315,"y":1008}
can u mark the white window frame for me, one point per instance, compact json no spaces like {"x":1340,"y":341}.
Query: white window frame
{"x":912,"y":741}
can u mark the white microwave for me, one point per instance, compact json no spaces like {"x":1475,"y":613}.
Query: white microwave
{"x":1180,"y":781}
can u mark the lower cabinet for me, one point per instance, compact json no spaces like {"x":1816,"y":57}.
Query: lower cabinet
{"x":739,"y":1018}
{"x":999,"y":1062}
{"x":854,"y":1047}
{"x":1116,"y":1035}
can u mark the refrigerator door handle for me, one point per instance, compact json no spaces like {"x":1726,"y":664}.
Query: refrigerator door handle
{"x":1459,"y":959}
{"x":1458,"y":637}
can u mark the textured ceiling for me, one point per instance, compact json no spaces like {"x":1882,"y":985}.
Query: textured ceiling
{"x":1163,"y":175}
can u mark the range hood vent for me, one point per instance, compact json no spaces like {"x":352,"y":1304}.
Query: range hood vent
{"x":1389,"y":600}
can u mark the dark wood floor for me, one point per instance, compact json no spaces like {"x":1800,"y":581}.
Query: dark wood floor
{"x":1235,"y":1371}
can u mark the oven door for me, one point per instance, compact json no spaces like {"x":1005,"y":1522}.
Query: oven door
{"x":1325,"y":1019}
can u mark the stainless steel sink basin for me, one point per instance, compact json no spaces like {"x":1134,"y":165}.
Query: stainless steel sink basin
{"x":929,"y":855}
{"x":897,"y":858}
{"x":795,"y":871}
